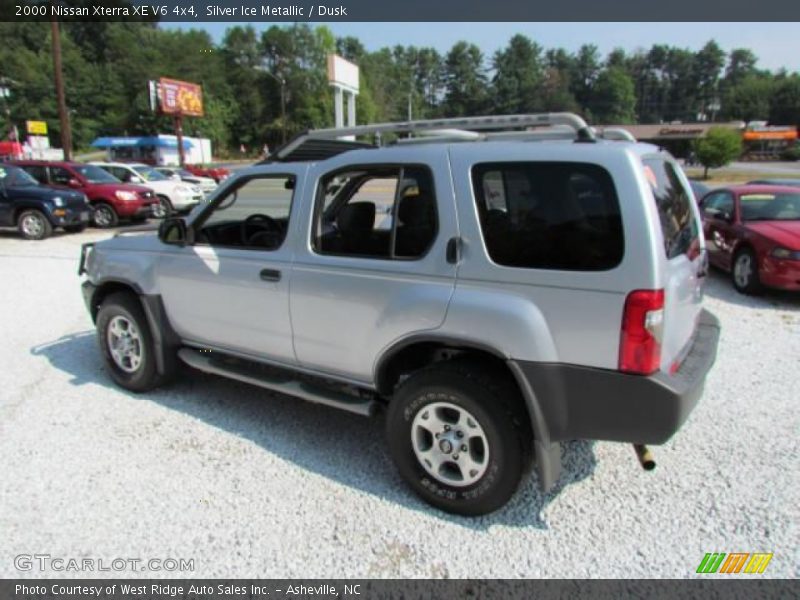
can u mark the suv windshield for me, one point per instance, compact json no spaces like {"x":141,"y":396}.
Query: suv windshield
{"x":150,"y":174}
{"x":14,"y":176}
{"x":770,"y":207}
{"x":94,"y":174}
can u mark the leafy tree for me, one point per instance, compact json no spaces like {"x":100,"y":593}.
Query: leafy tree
{"x":749,"y":100}
{"x":785,"y":101}
{"x":614,"y":97}
{"x":719,"y":147}
{"x":465,"y":81}
{"x":518,"y":77}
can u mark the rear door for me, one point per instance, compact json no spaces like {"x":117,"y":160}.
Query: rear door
{"x":684,"y":255}
{"x":374,"y":268}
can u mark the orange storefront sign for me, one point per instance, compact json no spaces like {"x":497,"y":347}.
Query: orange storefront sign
{"x":775,"y":134}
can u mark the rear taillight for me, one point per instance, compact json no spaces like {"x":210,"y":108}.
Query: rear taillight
{"x":642,"y":329}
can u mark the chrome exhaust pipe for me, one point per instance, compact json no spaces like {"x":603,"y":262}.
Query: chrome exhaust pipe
{"x":645,"y":457}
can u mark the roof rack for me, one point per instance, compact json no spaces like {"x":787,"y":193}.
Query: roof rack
{"x":455,"y":128}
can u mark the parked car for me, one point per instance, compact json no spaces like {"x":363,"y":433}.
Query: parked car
{"x":111,"y":200}
{"x":173,"y":196}
{"x":510,"y":298}
{"x":206,"y":184}
{"x":789,"y":182}
{"x":36,"y":210}
{"x":218,"y":174}
{"x":753,"y":232}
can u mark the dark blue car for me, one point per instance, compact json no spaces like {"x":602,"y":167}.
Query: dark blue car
{"x":35,"y":210}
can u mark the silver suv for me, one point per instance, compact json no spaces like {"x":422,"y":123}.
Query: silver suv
{"x":493,"y":287}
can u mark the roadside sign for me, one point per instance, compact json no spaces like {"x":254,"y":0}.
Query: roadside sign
{"x":36,"y":127}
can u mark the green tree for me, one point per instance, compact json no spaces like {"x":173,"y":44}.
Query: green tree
{"x":749,"y":100}
{"x":517,"y":83}
{"x":614,"y":97}
{"x":719,"y":147}
{"x":465,"y":81}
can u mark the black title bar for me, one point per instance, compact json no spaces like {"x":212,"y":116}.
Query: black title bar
{"x":199,"y":11}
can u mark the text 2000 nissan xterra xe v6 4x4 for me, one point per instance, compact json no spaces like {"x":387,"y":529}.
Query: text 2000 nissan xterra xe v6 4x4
{"x":496,"y":289}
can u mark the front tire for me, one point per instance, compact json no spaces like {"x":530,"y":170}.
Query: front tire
{"x":163,"y":209}
{"x":33,"y":225}
{"x":126,"y":343}
{"x":745,"y":272}
{"x":458,"y":437}
{"x":105,"y":216}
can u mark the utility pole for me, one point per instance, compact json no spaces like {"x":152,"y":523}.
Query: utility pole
{"x":282,"y":82}
{"x":66,"y":134}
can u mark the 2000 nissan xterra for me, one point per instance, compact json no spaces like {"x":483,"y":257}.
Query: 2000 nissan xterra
{"x":493,"y":287}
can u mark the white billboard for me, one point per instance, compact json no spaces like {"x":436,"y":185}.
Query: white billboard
{"x":342,"y":73}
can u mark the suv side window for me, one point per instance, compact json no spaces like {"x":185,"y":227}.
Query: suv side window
{"x":60,"y":175}
{"x":376,"y":212}
{"x":253,"y":215}
{"x":38,"y":172}
{"x":120,"y":173}
{"x":674,"y":206}
{"x":549,"y":215}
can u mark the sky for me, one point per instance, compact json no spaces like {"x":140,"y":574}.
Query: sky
{"x":777,"y":45}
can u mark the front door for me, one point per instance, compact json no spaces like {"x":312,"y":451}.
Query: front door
{"x":718,"y":217}
{"x":229,"y":290}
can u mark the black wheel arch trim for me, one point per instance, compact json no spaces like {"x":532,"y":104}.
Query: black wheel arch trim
{"x":547,"y":452}
{"x":165,"y":340}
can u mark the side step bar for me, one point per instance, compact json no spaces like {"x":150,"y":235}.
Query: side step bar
{"x":241,"y":371}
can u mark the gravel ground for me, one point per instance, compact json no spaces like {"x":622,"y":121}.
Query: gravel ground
{"x":253,"y":485}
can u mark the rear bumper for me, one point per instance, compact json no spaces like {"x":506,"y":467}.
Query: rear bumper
{"x":598,"y":404}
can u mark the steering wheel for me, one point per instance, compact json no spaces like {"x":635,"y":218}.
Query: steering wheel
{"x":255,"y":224}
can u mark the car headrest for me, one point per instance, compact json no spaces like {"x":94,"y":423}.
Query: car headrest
{"x":415,"y":211}
{"x":357,"y":217}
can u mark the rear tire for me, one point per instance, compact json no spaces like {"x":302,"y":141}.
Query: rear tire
{"x":744,"y":273}
{"x":459,"y":437}
{"x":33,"y":225}
{"x":104,"y":216}
{"x":126,"y":343}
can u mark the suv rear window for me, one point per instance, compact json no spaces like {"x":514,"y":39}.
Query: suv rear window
{"x":549,"y":215}
{"x":674,"y":206}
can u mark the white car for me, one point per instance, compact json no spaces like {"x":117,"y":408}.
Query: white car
{"x":206,"y":184}
{"x":173,"y":196}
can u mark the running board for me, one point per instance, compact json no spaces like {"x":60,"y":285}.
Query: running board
{"x":241,"y":371}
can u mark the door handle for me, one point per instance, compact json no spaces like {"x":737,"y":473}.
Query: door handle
{"x":453,"y":252}
{"x":270,"y":275}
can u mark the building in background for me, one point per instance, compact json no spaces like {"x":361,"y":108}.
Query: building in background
{"x":160,"y":150}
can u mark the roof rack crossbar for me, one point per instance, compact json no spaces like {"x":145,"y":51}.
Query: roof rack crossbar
{"x":499,"y":122}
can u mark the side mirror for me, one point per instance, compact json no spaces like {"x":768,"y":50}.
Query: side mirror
{"x":173,"y":231}
{"x":74,"y":183}
{"x":135,"y":179}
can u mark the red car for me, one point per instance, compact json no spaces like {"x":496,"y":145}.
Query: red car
{"x":216,"y":173}
{"x":753,"y":232}
{"x":111,"y":199}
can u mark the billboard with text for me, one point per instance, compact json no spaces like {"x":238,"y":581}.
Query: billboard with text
{"x":180,"y":98}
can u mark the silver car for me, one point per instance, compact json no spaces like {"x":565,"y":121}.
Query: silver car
{"x":493,"y":289}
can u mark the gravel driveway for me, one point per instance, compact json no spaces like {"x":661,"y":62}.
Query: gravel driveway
{"x":249,"y":484}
